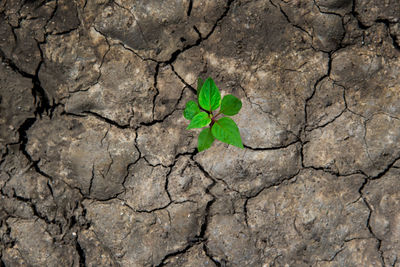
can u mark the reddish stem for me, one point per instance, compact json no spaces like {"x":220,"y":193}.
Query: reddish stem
{"x":219,"y":113}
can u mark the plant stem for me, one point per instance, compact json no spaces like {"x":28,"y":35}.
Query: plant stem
{"x":219,"y":113}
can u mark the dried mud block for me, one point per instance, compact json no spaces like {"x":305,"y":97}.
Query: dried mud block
{"x":16,"y":104}
{"x":325,"y":28}
{"x":229,"y":240}
{"x":227,"y":201}
{"x":65,"y":18}
{"x":369,"y":74}
{"x":340,"y":7}
{"x":357,"y":252}
{"x":326,"y":104}
{"x":309,"y":220}
{"x":370,"y":11}
{"x":327,"y":31}
{"x":95,"y":253}
{"x":247,"y":171}
{"x":71,"y":63}
{"x":384,"y":198}
{"x":339,"y":146}
{"x":23,"y":26}
{"x":157,"y":30}
{"x":161,"y":142}
{"x":145,"y":187}
{"x":16,"y":207}
{"x":144,"y":239}
{"x":26,"y":54}
{"x":24,"y":187}
{"x":260,"y":129}
{"x":350,"y":144}
{"x":124,"y":92}
{"x":186,"y":182}
{"x":28,"y":194}
{"x":84,"y":152}
{"x":35,"y":247}
{"x":281,"y":88}
{"x":194,"y":256}
{"x":170,"y":92}
{"x":383,"y":141}
{"x":7,"y":40}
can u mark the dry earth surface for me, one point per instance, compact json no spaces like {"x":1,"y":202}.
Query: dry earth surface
{"x":97,"y":169}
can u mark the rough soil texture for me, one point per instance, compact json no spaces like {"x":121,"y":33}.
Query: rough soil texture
{"x":97,"y":169}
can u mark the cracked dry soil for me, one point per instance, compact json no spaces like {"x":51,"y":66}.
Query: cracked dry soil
{"x":97,"y":169}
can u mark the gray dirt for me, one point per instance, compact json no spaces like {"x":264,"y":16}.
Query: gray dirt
{"x":97,"y":169}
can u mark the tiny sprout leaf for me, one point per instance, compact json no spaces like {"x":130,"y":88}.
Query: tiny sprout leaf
{"x":226,"y":130}
{"x":200,"y":114}
{"x":230,"y":105}
{"x":191,"y":110}
{"x":200,"y":120}
{"x":200,"y":83}
{"x":205,"y":139}
{"x":209,"y":97}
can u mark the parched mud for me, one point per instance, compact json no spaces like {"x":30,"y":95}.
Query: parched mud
{"x":97,"y":169}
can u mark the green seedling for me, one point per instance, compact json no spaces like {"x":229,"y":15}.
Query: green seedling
{"x":201,"y":114}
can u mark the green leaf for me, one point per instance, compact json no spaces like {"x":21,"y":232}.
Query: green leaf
{"x":200,"y":83}
{"x":209,"y":97}
{"x":226,"y":130}
{"x":230,"y":105}
{"x":200,"y":120}
{"x":191,"y":110}
{"x":205,"y":139}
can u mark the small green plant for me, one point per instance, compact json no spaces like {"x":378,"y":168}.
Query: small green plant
{"x":223,"y":129}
